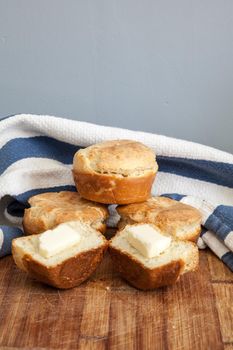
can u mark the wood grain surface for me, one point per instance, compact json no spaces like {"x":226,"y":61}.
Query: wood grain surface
{"x":106,"y":313}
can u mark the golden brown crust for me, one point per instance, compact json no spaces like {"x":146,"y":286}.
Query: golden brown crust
{"x":168,"y":215}
{"x":141,"y":277}
{"x":70,"y":273}
{"x":144,"y":274}
{"x":53,"y":208}
{"x":115,"y":172}
{"x":112,"y":190}
{"x":116,"y":157}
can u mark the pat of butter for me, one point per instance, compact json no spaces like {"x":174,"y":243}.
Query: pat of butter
{"x":55,"y":241}
{"x":147,"y":240}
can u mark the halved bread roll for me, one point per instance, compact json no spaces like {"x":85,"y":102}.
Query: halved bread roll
{"x":149,"y":273}
{"x":115,"y":172}
{"x":66,"y":269}
{"x":170,"y":216}
{"x":53,"y":208}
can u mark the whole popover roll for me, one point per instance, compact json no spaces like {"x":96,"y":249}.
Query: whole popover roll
{"x":48,"y":210}
{"x":115,"y":172}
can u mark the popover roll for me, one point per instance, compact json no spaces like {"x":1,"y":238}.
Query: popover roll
{"x":115,"y":172}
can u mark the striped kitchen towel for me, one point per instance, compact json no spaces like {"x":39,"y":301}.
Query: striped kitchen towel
{"x":36,"y":154}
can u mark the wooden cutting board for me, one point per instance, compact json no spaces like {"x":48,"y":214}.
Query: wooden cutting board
{"x":106,"y":313}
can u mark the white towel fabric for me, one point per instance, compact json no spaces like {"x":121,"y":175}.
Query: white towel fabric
{"x":36,"y":153}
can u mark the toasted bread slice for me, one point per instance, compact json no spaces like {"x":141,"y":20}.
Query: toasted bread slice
{"x":48,"y":210}
{"x":170,"y":216}
{"x":64,"y":270}
{"x":162,"y":270}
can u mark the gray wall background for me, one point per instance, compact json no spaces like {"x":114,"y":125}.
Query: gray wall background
{"x":154,"y":65}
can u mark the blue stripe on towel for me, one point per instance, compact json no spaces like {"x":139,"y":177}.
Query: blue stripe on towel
{"x":47,"y":147}
{"x":225,"y":212}
{"x":8,"y":233}
{"x":205,"y":170}
{"x":37,"y":146}
{"x":174,"y":196}
{"x":227,"y":258}
{"x":221,"y":221}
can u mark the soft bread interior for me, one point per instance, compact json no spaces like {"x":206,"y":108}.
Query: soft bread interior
{"x":185,"y":232}
{"x":187,"y":251}
{"x":28,"y":245}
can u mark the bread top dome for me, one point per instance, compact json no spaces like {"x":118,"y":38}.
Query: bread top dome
{"x":116,"y":157}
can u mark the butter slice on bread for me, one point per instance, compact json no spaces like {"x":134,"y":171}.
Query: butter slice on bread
{"x":67,"y":268}
{"x":170,"y":216}
{"x":149,"y":273}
